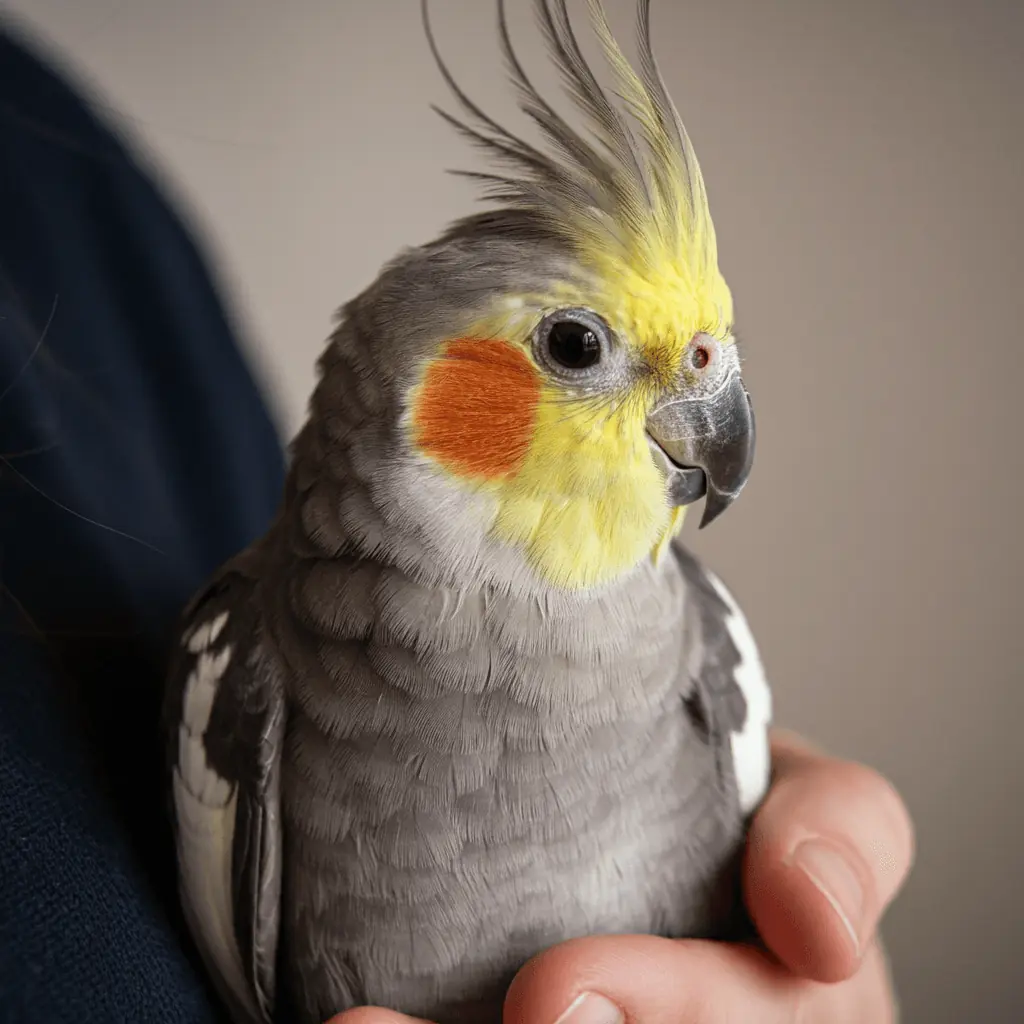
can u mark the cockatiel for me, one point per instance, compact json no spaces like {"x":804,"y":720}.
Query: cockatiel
{"x":469,"y":697}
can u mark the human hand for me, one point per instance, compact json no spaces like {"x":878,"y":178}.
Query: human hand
{"x":817,"y":909}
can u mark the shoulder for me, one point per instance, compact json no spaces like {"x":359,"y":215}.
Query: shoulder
{"x":719,"y":612}
{"x":726,"y":668}
{"x":217,"y":645}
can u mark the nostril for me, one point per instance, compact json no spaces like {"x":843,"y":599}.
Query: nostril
{"x":700,"y":357}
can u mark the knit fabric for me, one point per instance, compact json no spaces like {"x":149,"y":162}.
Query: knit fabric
{"x":136,"y":454}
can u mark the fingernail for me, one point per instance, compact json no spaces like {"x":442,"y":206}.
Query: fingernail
{"x":591,"y":1008}
{"x":834,"y":877}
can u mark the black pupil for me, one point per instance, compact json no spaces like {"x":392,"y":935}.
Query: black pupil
{"x":574,"y":345}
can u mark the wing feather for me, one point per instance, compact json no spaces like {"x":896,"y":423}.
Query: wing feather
{"x":225,"y":724}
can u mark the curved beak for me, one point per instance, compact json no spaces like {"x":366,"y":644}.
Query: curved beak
{"x":706,"y":444}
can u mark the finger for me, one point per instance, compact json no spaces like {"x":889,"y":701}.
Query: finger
{"x":828,"y":851}
{"x":643,"y":979}
{"x":637,"y":979}
{"x":374,"y":1015}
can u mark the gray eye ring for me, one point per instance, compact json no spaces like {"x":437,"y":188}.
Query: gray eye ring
{"x":573,"y":343}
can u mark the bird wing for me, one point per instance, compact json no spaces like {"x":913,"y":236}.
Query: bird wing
{"x":730,"y":693}
{"x":224,"y":717}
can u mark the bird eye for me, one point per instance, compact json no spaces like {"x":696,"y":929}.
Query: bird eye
{"x":573,"y":345}
{"x":572,"y":339}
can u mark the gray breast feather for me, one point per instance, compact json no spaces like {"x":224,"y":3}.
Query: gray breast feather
{"x":730,"y":688}
{"x":224,"y":723}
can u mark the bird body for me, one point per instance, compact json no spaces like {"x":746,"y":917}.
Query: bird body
{"x":469,"y":696}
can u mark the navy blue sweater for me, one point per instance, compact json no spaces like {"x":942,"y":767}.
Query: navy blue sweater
{"x":136,"y":454}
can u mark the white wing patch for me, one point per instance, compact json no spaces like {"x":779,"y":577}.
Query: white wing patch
{"x":205,"y":806}
{"x":751,"y":754}
{"x":200,"y":638}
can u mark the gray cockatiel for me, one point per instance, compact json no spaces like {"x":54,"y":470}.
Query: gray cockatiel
{"x":469,"y":697}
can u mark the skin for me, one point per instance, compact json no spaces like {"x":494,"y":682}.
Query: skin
{"x":824,"y":966}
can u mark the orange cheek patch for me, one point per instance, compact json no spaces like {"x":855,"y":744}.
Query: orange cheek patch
{"x":476,"y":408}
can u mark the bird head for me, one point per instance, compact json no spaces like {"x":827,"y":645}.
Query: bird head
{"x":563,"y":367}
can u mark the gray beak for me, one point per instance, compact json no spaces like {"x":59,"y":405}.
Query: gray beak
{"x":706,"y":445}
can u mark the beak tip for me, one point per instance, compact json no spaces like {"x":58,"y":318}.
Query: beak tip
{"x":715,"y":504}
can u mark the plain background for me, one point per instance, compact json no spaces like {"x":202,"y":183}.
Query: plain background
{"x":864,"y":162}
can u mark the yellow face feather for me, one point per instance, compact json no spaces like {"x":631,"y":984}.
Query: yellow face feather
{"x":588,"y":502}
{"x":579,"y":494}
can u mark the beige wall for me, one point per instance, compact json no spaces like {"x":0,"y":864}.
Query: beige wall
{"x":864,"y":161}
